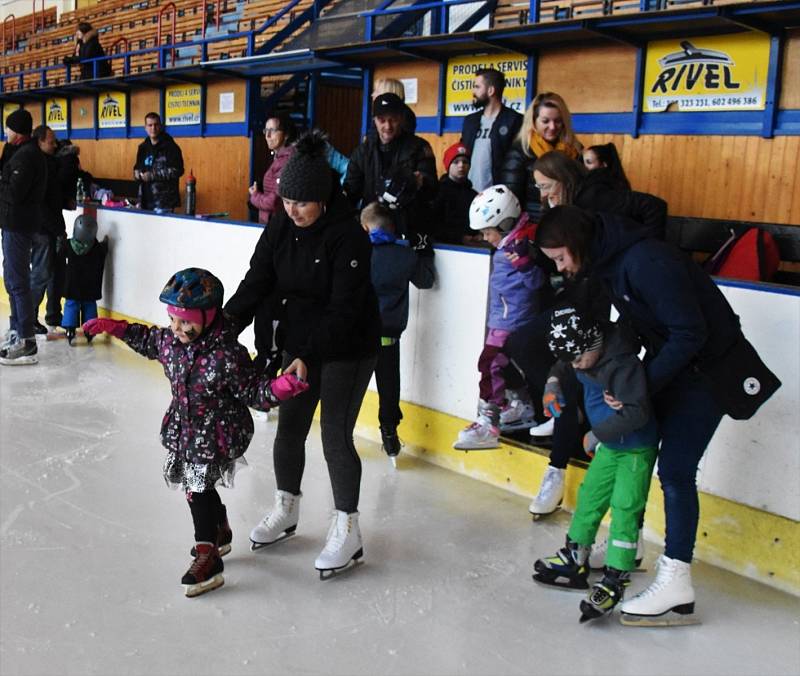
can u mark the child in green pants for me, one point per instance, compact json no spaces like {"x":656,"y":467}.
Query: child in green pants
{"x":624,"y":440}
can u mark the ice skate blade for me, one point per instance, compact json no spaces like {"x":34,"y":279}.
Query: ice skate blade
{"x":536,"y":516}
{"x":393,"y":458}
{"x":20,"y":361}
{"x":465,"y":446}
{"x":678,"y":616}
{"x":589,"y":612}
{"x":255,"y":546}
{"x":538,"y":578}
{"x":517,"y":426}
{"x":328,"y":573}
{"x":193,"y":590}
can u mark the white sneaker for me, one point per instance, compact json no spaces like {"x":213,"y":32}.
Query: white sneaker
{"x":516,"y":415}
{"x":545,"y":429}
{"x":342,"y":546}
{"x":551,"y":492}
{"x":479,"y":435}
{"x":671,"y":591}
{"x":278,"y":524}
{"x":597,"y":558}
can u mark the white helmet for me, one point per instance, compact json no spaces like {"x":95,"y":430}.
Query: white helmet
{"x":495,"y":207}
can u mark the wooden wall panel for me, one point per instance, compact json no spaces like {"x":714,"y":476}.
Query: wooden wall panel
{"x":142,"y":102}
{"x":339,"y":113}
{"x":239,"y":89}
{"x":427,"y":75}
{"x":82,"y":111}
{"x":222,"y":177}
{"x":600,"y":78}
{"x":790,"y":93}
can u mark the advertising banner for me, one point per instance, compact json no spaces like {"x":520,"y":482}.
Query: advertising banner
{"x":55,"y":111}
{"x":461,"y":76}
{"x":723,"y":72}
{"x":111,"y":110}
{"x":182,"y":104}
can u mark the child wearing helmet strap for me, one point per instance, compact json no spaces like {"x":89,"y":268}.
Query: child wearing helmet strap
{"x":515,"y":288}
{"x":208,"y":426}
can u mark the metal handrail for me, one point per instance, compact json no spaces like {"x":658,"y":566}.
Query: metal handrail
{"x":384,"y":10}
{"x":13,"y":31}
{"x":217,"y":14}
{"x":33,"y":17}
{"x":161,"y":13}
{"x":116,"y":42}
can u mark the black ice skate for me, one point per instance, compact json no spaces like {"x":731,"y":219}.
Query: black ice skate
{"x":567,"y":569}
{"x":391,"y":443}
{"x":205,"y":573}
{"x":224,"y":535}
{"x":605,"y":594}
{"x":71,"y":336}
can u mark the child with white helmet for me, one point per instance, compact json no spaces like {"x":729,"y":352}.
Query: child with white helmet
{"x":515,"y":288}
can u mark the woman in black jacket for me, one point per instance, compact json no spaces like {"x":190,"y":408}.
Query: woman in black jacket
{"x":546,"y":126}
{"x":87,"y":46}
{"x":316,"y":257}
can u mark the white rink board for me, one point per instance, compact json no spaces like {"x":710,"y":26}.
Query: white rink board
{"x":754,"y":462}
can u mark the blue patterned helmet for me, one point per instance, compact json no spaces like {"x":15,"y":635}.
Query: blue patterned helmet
{"x":193,"y":288}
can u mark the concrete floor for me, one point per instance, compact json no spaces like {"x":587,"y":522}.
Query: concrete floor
{"x":93,"y":546}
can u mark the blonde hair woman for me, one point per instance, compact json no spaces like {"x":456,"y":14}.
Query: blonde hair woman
{"x":546,"y":126}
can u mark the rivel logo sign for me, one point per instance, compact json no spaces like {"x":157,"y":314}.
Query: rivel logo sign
{"x":56,"y":114}
{"x":723,"y":72}
{"x":111,"y":110}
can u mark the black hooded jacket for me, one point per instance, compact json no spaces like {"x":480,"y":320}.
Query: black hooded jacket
{"x":23,"y":183}
{"x":164,"y":161}
{"x":670,"y":302}
{"x":322,"y":272}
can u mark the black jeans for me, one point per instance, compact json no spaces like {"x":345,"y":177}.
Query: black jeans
{"x":340,"y":387}
{"x":43,"y":278}
{"x":387,"y":378}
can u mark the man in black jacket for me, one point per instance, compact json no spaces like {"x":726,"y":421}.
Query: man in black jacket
{"x":488,"y":133}
{"x":395,"y":168}
{"x":22,"y":187}
{"x":159,"y":165}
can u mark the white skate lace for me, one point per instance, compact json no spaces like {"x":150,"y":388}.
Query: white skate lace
{"x":336,"y":536}
{"x":283,"y":506}
{"x":663,"y":571}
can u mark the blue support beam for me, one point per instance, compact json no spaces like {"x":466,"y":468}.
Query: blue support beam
{"x":773,"y":93}
{"x":638,"y":92}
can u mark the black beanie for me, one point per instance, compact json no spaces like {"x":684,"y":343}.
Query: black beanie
{"x":306,"y":177}
{"x":571,"y":334}
{"x":20,"y":121}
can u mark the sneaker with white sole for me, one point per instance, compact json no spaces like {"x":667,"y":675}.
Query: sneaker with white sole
{"x":543,"y":430}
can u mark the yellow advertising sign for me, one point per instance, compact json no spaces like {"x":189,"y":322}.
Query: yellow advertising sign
{"x":111,"y":110}
{"x":722,"y":72}
{"x":182,"y":104}
{"x":461,"y":77}
{"x":55,"y":111}
{"x":8,"y":108}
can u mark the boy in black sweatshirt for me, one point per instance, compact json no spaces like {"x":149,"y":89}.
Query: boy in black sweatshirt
{"x":394,"y":265}
{"x":451,"y":207}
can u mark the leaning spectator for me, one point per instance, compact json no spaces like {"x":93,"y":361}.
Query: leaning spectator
{"x":159,"y":165}
{"x":22,"y":189}
{"x":45,"y":240}
{"x":450,"y":209}
{"x":87,"y":46}
{"x":605,"y":157}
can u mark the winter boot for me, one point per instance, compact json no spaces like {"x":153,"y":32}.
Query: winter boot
{"x":205,"y":573}
{"x":566,"y":569}
{"x":551,"y":492}
{"x":597,"y":559}
{"x":342,"y":547}
{"x":605,"y":594}
{"x":483,"y":433}
{"x":669,"y":600}
{"x":278,"y":524}
{"x":224,"y":534}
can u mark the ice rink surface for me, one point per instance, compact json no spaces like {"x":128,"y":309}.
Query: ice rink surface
{"x":93,"y":546}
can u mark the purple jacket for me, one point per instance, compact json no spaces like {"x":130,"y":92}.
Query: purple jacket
{"x":268,"y":202}
{"x":514,"y":288}
{"x":213,"y":382}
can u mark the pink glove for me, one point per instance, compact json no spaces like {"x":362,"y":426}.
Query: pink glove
{"x":287,"y":386}
{"x":115,"y":327}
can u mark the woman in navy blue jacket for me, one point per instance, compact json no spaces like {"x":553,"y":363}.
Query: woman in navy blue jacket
{"x":685,"y":322}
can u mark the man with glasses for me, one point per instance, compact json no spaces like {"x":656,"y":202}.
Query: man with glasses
{"x":159,"y":165}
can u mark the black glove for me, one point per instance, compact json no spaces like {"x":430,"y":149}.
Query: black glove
{"x":421,"y":243}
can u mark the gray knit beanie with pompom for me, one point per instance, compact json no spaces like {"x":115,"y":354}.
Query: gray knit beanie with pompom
{"x":307,"y":174}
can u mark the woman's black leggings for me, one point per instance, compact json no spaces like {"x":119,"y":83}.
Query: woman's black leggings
{"x":340,"y":387}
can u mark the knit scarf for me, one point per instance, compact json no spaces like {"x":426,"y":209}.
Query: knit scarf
{"x":539,"y":147}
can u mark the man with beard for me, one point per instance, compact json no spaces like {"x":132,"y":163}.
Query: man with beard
{"x":488,"y":133}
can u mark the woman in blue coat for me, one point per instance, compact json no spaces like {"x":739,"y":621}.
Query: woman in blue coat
{"x":686,"y":325}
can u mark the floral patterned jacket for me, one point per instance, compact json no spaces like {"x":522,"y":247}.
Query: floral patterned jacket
{"x":213,"y":382}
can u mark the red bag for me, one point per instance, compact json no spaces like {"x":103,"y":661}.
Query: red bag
{"x":753,"y":256}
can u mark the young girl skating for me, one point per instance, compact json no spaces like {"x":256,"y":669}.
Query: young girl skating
{"x":207,"y":427}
